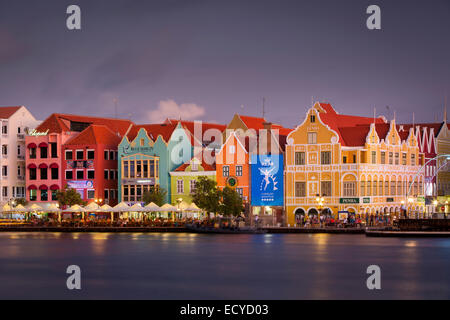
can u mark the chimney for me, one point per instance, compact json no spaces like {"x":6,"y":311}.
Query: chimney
{"x":268,"y":143}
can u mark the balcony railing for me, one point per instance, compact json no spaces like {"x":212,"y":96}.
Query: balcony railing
{"x":20,"y":136}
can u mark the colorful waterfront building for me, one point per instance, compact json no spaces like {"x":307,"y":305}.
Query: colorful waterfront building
{"x":358,"y":165}
{"x":147,"y":155}
{"x":251,"y":162}
{"x":184,"y":178}
{"x":44,"y":151}
{"x":15,"y":122}
{"x":90,"y":164}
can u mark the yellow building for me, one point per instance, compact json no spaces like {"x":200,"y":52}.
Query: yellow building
{"x":358,"y":165}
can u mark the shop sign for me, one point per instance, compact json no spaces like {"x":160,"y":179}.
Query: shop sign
{"x":80,"y":184}
{"x":131,"y":150}
{"x":35,"y":133}
{"x":421,"y":199}
{"x":232,"y":182}
{"x":267,"y":180}
{"x":348,"y":200}
{"x":149,"y":181}
{"x":366,"y":200}
{"x":389,"y":199}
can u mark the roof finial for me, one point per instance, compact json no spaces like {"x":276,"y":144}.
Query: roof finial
{"x":445,"y":110}
{"x":374,"y":114}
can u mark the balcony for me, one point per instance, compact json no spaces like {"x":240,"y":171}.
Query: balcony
{"x":21,"y":178}
{"x":21,"y":157}
{"x":20,"y":136}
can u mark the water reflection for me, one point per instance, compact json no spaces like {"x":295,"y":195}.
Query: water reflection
{"x":210,"y":266}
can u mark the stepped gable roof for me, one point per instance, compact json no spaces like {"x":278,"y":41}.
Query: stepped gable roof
{"x":7,"y":112}
{"x":58,"y":123}
{"x":164,"y":130}
{"x":206,"y":166}
{"x":95,"y":134}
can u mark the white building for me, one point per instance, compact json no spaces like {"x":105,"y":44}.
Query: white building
{"x":15,"y":123}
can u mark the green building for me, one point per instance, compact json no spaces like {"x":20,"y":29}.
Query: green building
{"x":183,"y":179}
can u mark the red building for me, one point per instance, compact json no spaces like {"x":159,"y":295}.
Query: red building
{"x":45,"y":157}
{"x":90,"y":164}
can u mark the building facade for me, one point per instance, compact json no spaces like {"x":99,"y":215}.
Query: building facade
{"x":183,"y":179}
{"x":15,"y":123}
{"x":358,"y":165}
{"x":44,"y":151}
{"x":147,"y":155}
{"x":90,"y":165}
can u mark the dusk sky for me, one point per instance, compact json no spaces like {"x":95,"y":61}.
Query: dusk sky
{"x":204,"y":59}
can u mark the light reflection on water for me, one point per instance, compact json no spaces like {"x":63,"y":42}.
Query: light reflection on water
{"x":198,"y":266}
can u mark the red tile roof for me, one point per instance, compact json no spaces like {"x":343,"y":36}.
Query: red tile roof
{"x":352,"y":130}
{"x":206,"y":166}
{"x":258,"y":124}
{"x":164,"y":130}
{"x":58,"y":123}
{"x":7,"y":112}
{"x":95,"y":134}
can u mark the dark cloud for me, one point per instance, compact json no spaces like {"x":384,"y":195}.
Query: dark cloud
{"x":224,"y":54}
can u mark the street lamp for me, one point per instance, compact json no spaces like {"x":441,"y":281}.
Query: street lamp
{"x":410,"y":201}
{"x":320,"y":201}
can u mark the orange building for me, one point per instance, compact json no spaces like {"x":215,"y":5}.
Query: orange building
{"x":232,"y":166}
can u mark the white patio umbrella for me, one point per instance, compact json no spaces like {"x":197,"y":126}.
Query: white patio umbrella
{"x":6,"y":208}
{"x":137,"y":208}
{"x":20,"y":208}
{"x":53,"y":207}
{"x":75,"y":208}
{"x":152,"y":207}
{"x":168,"y":207}
{"x":92,"y":207}
{"x":34,"y":207}
{"x":107,"y":208}
{"x":121,"y":207}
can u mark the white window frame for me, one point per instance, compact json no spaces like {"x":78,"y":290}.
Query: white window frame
{"x":180,"y":186}
{"x":65,"y":154}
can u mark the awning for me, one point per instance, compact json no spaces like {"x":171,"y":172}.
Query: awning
{"x":54,"y":187}
{"x":32,"y":145}
{"x":32,"y":166}
{"x":54,"y":165}
{"x":32,"y":187}
{"x":43,"y":166}
{"x":43,"y":145}
{"x":43,"y":187}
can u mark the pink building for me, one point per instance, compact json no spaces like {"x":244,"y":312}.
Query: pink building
{"x":43,"y":158}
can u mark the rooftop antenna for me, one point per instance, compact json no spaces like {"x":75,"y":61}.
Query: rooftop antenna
{"x":413,"y":120}
{"x":445,"y":109}
{"x":115,"y":107}
{"x":374,"y":114}
{"x":263,"y":108}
